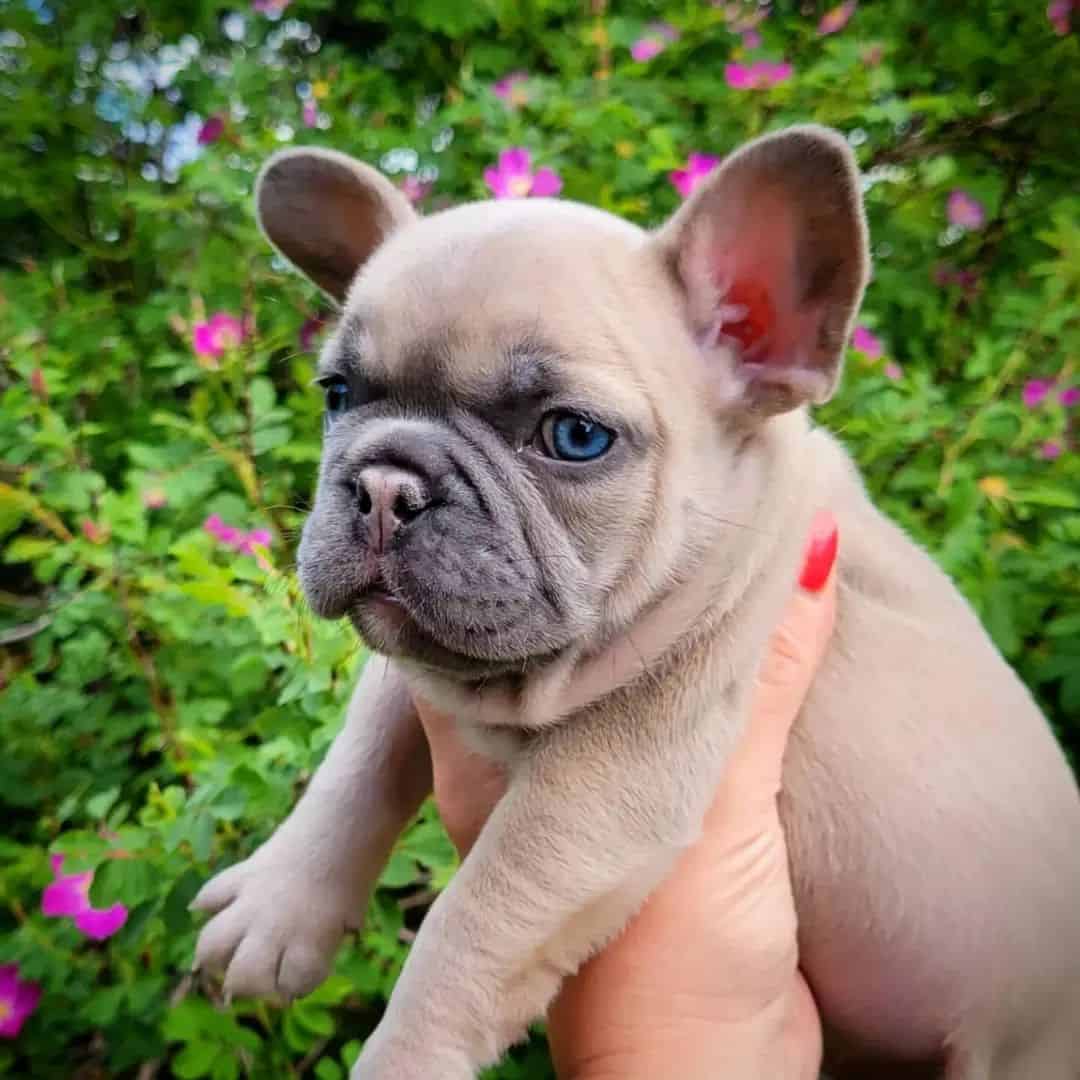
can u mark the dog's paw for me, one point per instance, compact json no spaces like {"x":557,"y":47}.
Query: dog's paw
{"x":276,"y":925}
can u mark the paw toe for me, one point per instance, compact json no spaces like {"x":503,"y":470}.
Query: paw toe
{"x":219,"y":891}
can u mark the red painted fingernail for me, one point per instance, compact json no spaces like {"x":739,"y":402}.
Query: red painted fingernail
{"x":820,"y":552}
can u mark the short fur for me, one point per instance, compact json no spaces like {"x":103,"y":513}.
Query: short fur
{"x":599,"y":627}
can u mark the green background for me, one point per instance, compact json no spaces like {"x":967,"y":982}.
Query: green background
{"x":163,"y":698}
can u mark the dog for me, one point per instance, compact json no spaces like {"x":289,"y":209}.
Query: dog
{"x":567,"y":473}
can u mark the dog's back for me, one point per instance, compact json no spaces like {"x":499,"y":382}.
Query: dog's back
{"x":934,"y":824}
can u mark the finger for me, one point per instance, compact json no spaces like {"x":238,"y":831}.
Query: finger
{"x":798,"y":643}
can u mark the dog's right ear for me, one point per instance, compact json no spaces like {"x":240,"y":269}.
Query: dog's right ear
{"x":326,"y":213}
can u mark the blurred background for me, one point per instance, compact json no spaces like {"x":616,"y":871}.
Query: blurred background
{"x":164,"y":695}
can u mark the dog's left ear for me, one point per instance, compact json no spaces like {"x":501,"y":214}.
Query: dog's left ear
{"x":770,"y":254}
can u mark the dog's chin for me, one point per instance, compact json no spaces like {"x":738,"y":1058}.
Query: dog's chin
{"x":388,"y":627}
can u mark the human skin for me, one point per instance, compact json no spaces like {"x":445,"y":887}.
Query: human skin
{"x":704,"y":982}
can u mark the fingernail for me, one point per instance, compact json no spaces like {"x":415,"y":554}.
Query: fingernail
{"x":820,"y":552}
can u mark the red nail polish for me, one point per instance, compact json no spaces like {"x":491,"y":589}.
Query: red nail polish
{"x":820,"y":552}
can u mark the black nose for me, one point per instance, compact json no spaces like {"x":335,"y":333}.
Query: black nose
{"x":388,"y":498}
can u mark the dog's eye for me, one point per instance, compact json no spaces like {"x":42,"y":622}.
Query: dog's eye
{"x":571,"y":437}
{"x":338,"y":398}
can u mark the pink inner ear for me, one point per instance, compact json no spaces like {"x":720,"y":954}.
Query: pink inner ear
{"x":753,"y":260}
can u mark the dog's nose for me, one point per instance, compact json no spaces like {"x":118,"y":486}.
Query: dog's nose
{"x":388,"y":498}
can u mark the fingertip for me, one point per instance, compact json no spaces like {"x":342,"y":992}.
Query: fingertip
{"x":820,"y":554}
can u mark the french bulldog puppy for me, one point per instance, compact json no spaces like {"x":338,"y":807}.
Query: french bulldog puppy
{"x":567,"y":476}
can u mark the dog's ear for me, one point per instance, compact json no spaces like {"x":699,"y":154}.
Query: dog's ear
{"x":770,"y":255}
{"x":326,"y":213}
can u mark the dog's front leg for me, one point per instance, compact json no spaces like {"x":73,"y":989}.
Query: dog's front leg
{"x":279,"y":916}
{"x":595,"y":815}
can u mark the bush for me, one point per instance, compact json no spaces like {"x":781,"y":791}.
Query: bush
{"x":164,"y":694}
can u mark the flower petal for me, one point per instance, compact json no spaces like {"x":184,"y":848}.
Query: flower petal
{"x":546,"y":183}
{"x":100,"y":923}
{"x":515,"y":161}
{"x":67,"y":895}
{"x":496,"y":183}
{"x":644,"y":49}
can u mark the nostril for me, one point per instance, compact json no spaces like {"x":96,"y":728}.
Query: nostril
{"x":363,"y":498}
{"x":404,"y":509}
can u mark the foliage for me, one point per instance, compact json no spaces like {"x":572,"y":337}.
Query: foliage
{"x":164,"y":695}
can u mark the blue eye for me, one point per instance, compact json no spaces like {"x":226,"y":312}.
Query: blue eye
{"x":571,"y":437}
{"x":337,"y":395}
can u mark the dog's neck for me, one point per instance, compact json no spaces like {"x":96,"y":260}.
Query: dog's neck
{"x":720,"y":581}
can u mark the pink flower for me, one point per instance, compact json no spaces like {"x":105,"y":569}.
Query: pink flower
{"x":1050,"y":450}
{"x":893,"y":371}
{"x":18,"y":1000}
{"x":309,"y":330}
{"x":759,"y":75}
{"x":511,"y":89}
{"x":751,"y":39}
{"x":154,"y":498}
{"x":94,"y":532}
{"x":655,"y":40}
{"x":868,"y":343}
{"x":310,"y":114}
{"x":1059,"y":12}
{"x":69,"y":897}
{"x":1035,"y":391}
{"x":698,"y":166}
{"x":1070,"y":396}
{"x":836,"y":18}
{"x":237,"y":539}
{"x":965,"y":211}
{"x":221,"y":333}
{"x":415,"y":189}
{"x":273,"y":8}
{"x":513,"y":177}
{"x":212,"y":130}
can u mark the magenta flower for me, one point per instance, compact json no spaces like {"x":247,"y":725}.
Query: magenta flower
{"x":95,"y":533}
{"x":1035,"y":391}
{"x":511,"y":89}
{"x":868,"y":343}
{"x":155,"y":498}
{"x":893,"y":371}
{"x":655,"y":40}
{"x":1070,"y":396}
{"x":965,"y":211}
{"x":237,"y":539}
{"x":212,"y":130}
{"x":310,"y":114}
{"x":213,"y":338}
{"x":69,"y":896}
{"x":513,"y":177}
{"x":836,"y":18}
{"x":698,"y":166}
{"x":309,"y":330}
{"x":1050,"y":450}
{"x":273,"y":8}
{"x":751,"y":39}
{"x":18,"y":1000}
{"x":415,"y":189}
{"x":1059,"y":12}
{"x":759,"y":75}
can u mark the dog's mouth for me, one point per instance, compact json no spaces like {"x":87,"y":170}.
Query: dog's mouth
{"x":384,"y":618}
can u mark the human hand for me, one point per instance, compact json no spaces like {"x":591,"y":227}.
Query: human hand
{"x":704,"y":982}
